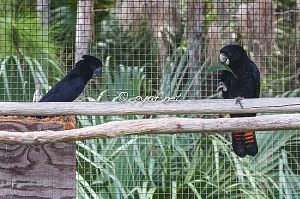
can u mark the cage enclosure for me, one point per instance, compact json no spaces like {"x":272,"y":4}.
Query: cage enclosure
{"x":163,"y":49}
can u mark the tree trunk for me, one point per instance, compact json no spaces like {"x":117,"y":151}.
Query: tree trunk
{"x":84,"y":27}
{"x":43,"y":12}
{"x":38,"y":170}
{"x":257,"y":23}
{"x":193,"y":33}
{"x":298,"y":18}
{"x":42,"y":8}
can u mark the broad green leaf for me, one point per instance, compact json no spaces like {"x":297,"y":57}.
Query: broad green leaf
{"x":219,"y":66}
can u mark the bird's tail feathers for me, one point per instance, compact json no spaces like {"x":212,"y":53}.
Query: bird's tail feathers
{"x":250,"y":143}
{"x":237,"y":144}
{"x":244,"y":143}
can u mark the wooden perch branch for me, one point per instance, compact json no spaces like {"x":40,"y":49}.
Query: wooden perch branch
{"x":262,"y":105}
{"x":155,"y":126}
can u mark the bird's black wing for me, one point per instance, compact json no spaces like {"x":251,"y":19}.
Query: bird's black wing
{"x":256,"y":78}
{"x":67,"y":90}
{"x":228,"y":79}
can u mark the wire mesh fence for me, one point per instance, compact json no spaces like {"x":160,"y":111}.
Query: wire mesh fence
{"x":159,"y":48}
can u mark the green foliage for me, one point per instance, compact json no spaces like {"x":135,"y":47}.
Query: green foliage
{"x":174,"y":79}
{"x":131,"y":80}
{"x":124,"y":48}
{"x":177,"y":79}
{"x":219,"y":66}
{"x":21,"y":73}
{"x":26,"y":53}
{"x":188,"y":164}
{"x":63,"y":21}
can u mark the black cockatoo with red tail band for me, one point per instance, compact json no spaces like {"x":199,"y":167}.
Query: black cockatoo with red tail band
{"x":243,"y":81}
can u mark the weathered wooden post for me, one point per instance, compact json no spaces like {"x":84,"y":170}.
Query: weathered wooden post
{"x":37,"y":171}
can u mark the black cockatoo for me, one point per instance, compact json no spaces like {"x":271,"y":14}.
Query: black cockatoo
{"x":244,"y":83}
{"x":70,"y":87}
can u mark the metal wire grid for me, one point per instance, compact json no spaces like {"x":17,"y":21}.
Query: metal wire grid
{"x":161,"y":47}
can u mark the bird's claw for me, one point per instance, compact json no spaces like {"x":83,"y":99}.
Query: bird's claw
{"x":222,"y":86}
{"x":238,"y":101}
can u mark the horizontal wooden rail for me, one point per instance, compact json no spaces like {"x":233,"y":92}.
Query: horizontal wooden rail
{"x":155,"y":126}
{"x":211,"y":106}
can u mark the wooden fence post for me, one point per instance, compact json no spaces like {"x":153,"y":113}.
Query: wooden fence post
{"x":37,"y":171}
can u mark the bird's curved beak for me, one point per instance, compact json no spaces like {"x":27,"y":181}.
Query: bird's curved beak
{"x":223,"y":58}
{"x":97,"y":72}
